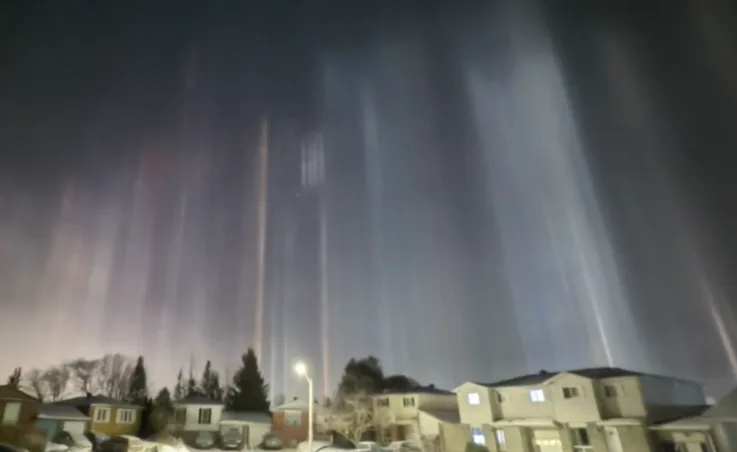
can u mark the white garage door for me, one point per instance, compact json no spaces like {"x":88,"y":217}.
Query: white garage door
{"x":74,"y":427}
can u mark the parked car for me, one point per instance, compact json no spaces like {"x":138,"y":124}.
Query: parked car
{"x":271,"y":442}
{"x":325,"y":446}
{"x":403,"y":446}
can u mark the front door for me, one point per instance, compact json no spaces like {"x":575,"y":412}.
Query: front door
{"x":612,"y":440}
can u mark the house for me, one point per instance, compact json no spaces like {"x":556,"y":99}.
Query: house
{"x":17,"y":416}
{"x":108,"y":416}
{"x":290,"y":421}
{"x":197,"y":414}
{"x":712,"y":430}
{"x":414,"y":415}
{"x":249,"y":426}
{"x":53,"y":418}
{"x":593,"y":410}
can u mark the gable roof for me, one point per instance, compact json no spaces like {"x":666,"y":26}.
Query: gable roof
{"x":57,"y":411}
{"x":22,"y":394}
{"x":197,"y":400}
{"x":594,"y":373}
{"x":96,"y":400}
{"x":432,"y":390}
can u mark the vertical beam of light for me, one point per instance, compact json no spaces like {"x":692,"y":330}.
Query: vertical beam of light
{"x":263,"y":188}
{"x":633,"y":101}
{"x":557,"y":252}
{"x":324,"y":300}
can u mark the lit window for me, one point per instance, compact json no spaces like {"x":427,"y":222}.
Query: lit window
{"x":610,"y":391}
{"x":570,"y":393}
{"x":537,"y":396}
{"x":477,"y":435}
{"x":500,"y":438}
{"x":474,"y":398}
{"x":204,"y":416}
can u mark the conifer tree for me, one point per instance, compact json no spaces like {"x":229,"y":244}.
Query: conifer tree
{"x":249,"y":391}
{"x":138,"y":386}
{"x":179,"y":387}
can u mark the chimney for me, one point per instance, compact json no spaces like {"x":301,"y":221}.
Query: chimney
{"x":88,"y":394}
{"x":431,"y":386}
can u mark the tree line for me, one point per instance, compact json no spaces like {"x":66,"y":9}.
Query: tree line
{"x":124,"y":378}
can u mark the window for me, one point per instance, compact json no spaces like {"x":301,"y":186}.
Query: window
{"x":477,"y":435}
{"x":180,"y":415}
{"x":102,"y":414}
{"x":126,"y":416}
{"x":382,"y":402}
{"x":293,"y":418}
{"x":501,"y":440}
{"x":570,"y":393}
{"x":537,"y":396}
{"x":610,"y":391}
{"x":11,"y":413}
{"x":474,"y":398}
{"x":204,"y":416}
{"x":408,"y":401}
{"x":581,"y":441}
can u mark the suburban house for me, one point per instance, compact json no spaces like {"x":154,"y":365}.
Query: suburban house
{"x":197,"y":414}
{"x":249,"y":427}
{"x":108,"y":416}
{"x":289,"y":421}
{"x":17,"y":416}
{"x":53,"y":418}
{"x":419,"y":414}
{"x":585,"y":410}
{"x":713,"y":430}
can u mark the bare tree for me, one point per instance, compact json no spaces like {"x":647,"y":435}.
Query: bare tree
{"x":57,"y":381}
{"x":83,"y":371}
{"x":33,"y":380}
{"x":14,"y":378}
{"x":113,"y":375}
{"x":353,"y":416}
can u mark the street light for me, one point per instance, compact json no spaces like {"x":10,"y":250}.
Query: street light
{"x":301,"y":369}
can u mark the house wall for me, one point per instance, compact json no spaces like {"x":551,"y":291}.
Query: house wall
{"x":627,"y":402}
{"x":576,"y":410}
{"x":475,"y":414}
{"x":111,"y":427}
{"x":518,"y":405}
{"x":191,"y":422}
{"x":289,"y":434}
{"x":17,"y":433}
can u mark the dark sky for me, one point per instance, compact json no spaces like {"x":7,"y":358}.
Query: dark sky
{"x":494,"y":187}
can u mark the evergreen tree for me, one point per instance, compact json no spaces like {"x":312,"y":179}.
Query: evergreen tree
{"x":249,"y":391}
{"x":161,"y":413}
{"x":206,"y":379}
{"x":163,"y":400}
{"x":138,"y":386}
{"x":179,"y":387}
{"x":191,"y":389}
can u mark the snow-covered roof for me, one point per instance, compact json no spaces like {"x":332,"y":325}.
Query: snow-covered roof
{"x":96,"y":400}
{"x":64,"y":412}
{"x":298,"y":405}
{"x":197,"y":400}
{"x":246,"y":417}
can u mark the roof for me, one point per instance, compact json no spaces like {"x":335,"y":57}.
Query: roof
{"x":447,"y":416}
{"x":298,"y":404}
{"x":56,"y":411}
{"x":96,"y":400}
{"x":594,"y":373}
{"x":246,"y":417}
{"x":197,"y":400}
{"x":420,"y":390}
{"x":19,"y":391}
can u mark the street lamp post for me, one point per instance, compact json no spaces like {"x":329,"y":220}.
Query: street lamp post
{"x":301,"y":369}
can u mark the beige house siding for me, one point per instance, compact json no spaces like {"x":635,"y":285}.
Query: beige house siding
{"x":620,"y":397}
{"x":483,"y":413}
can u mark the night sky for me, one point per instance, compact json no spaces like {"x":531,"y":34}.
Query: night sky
{"x":468,"y":190}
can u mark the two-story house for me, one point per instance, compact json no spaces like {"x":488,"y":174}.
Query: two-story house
{"x":412,"y":415}
{"x":584,"y":410}
{"x":107,"y":416}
